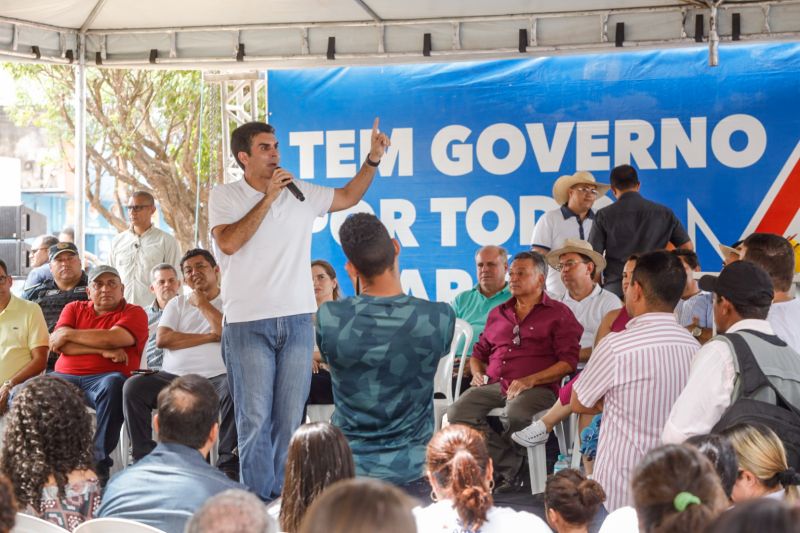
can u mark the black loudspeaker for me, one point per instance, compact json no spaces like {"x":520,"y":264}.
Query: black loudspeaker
{"x":15,"y":255}
{"x":19,"y":222}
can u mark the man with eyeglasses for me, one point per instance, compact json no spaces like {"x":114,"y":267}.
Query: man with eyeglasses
{"x":576,"y":194}
{"x":100,"y":342}
{"x":135,"y":251}
{"x":23,"y":339}
{"x":40,"y":259}
{"x":189,"y":332}
{"x":68,"y":284}
{"x":632,"y":225}
{"x":530,"y":342}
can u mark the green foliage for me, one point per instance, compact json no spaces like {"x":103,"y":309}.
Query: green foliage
{"x":142,"y":131}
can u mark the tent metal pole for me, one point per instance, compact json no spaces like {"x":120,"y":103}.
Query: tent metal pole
{"x":80,"y":145}
{"x":198,"y":164}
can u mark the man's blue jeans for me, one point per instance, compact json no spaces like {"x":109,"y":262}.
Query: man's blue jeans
{"x":103,"y":393}
{"x":269,"y":375}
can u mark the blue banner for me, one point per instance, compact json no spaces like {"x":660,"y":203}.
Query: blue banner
{"x":477,"y":146}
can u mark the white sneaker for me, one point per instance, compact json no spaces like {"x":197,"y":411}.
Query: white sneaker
{"x":532,"y":435}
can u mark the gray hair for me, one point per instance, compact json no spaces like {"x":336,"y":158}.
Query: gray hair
{"x":162,"y":266}
{"x":47,"y":240}
{"x":144,"y":194}
{"x":538,"y":261}
{"x":502,"y":252}
{"x":232,"y":511}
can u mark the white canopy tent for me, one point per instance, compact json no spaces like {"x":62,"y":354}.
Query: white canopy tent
{"x":298,"y":33}
{"x":250,"y":34}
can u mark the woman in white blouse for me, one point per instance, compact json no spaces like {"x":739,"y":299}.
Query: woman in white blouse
{"x":460,"y":472}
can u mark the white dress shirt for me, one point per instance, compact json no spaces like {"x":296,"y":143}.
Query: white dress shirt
{"x":135,"y":255}
{"x":708,"y":392}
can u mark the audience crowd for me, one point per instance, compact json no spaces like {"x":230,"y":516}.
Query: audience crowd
{"x":685,"y":391}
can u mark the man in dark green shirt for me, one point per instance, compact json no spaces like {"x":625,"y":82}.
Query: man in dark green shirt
{"x":383,"y":348}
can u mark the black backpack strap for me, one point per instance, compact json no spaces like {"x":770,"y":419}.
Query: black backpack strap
{"x":752,"y":376}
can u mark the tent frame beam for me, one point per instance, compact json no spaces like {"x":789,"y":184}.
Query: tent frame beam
{"x":380,"y":53}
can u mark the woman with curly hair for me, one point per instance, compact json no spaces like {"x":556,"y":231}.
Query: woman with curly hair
{"x":47,"y":453}
{"x":460,"y":472}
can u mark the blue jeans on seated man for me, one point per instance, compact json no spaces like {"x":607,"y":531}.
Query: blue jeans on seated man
{"x":103,"y":393}
{"x":269,"y":375}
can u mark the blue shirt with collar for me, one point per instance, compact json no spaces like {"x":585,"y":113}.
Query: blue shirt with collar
{"x":164,"y":489}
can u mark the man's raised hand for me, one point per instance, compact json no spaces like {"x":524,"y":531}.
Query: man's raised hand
{"x":379,"y":142}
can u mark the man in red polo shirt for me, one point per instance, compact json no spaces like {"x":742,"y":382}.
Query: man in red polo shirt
{"x":530,"y":342}
{"x":99,"y":343}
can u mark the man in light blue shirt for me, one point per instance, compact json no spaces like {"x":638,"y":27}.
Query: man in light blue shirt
{"x":164,"y":489}
{"x":491,"y":265}
{"x":695,"y":308}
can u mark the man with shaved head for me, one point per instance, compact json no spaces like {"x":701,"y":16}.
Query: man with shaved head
{"x":135,"y":251}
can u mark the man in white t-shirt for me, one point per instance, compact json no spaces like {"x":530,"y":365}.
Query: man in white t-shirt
{"x":774,"y":254}
{"x":578,"y":265}
{"x":189,"y":332}
{"x":263,"y":233}
{"x":576,"y":195}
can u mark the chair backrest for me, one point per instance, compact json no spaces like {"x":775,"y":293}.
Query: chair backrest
{"x":443,"y":381}
{"x":117,"y":525}
{"x":30,"y":524}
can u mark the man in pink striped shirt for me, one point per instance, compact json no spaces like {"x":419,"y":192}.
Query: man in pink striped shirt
{"x":635,"y":376}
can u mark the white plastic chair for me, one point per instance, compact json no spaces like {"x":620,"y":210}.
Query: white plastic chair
{"x":443,"y":380}
{"x":320,"y":412}
{"x":117,"y":525}
{"x":30,"y":524}
{"x":537,"y":455}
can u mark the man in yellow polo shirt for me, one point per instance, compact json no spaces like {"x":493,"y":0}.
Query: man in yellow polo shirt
{"x":23,"y":339}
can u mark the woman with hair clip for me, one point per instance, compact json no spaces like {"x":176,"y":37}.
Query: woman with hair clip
{"x":47,"y":453}
{"x":763,"y":469}
{"x":676,"y":490}
{"x":571,"y":501}
{"x":460,"y":472}
{"x":319,"y":456}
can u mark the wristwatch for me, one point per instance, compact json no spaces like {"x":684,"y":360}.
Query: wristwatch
{"x":697,"y":331}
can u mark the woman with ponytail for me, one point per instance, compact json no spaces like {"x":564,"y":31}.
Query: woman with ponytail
{"x":676,"y":490}
{"x":763,"y":469}
{"x":460,"y":472}
{"x":571,"y":501}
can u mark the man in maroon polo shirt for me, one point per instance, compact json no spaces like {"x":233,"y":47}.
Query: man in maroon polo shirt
{"x":99,"y":342}
{"x":530,"y":342}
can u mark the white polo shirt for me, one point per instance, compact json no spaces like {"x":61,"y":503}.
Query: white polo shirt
{"x":270,"y":276}
{"x":591,"y":310}
{"x":784,"y":317}
{"x":206,"y":359}
{"x":550,"y":232}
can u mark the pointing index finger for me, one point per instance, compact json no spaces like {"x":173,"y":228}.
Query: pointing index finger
{"x":375,"y":125}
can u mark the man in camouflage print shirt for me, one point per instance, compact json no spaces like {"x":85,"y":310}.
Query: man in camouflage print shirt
{"x":383,"y":348}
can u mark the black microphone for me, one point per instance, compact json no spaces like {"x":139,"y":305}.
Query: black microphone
{"x":294,"y":190}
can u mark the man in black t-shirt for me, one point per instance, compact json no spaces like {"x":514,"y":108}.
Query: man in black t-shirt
{"x":68,"y":285}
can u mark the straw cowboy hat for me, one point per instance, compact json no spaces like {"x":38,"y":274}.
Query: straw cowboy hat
{"x":577,"y":246}
{"x":563,"y":184}
{"x":728,"y":250}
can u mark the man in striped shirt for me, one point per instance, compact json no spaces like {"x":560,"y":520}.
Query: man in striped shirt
{"x":636,"y":375}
